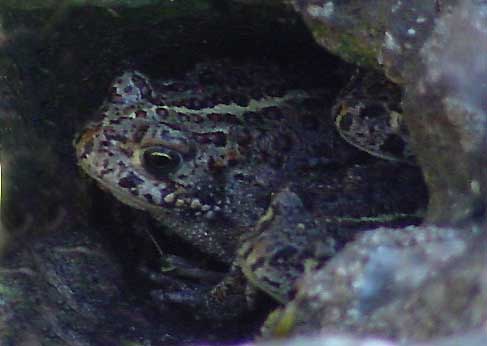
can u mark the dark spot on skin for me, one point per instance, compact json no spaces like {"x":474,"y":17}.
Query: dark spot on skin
{"x":180,"y":103}
{"x":300,"y":265}
{"x":219,"y":138}
{"x":116,"y":98}
{"x":374,"y":110}
{"x":206,"y":103}
{"x":163,"y":193}
{"x":142,"y":85}
{"x":272,"y":113}
{"x":215,"y":166}
{"x":243,"y":136}
{"x":130,"y":181}
{"x":395,"y":145}
{"x":159,"y":101}
{"x":225,"y":99}
{"x":195,"y":103}
{"x":224,"y":118}
{"x":270,"y":282}
{"x":126,"y":151}
{"x":239,"y":176}
{"x":184,"y":117}
{"x":140,"y":133}
{"x":105,"y":171}
{"x":253,"y":118}
{"x":438,"y":6}
{"x":173,"y":126}
{"x":283,"y":254}
{"x":196,"y":118}
{"x":140,"y":114}
{"x":115,"y":121}
{"x":258,"y":264}
{"x":246,"y":253}
{"x":112,"y":135}
{"x":232,"y":159}
{"x":87,"y":149}
{"x":148,"y":197}
{"x":242,"y":100}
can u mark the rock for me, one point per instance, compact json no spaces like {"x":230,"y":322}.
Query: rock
{"x":446,"y":114}
{"x":411,"y":284}
{"x":379,"y":34}
{"x":58,"y":289}
{"x":474,"y":338}
{"x":354,"y":30}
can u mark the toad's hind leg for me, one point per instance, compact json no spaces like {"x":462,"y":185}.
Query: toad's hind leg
{"x":285,"y":242}
{"x":368,"y":115}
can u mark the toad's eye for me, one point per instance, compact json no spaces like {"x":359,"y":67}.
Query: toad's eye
{"x":161,"y":161}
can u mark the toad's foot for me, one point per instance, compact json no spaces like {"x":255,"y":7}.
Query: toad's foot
{"x":205,"y":294}
{"x":287,"y":239}
{"x":368,"y":116}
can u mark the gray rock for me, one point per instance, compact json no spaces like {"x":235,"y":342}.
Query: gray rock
{"x":411,"y":284}
{"x":445,"y":104}
{"x":474,"y":338}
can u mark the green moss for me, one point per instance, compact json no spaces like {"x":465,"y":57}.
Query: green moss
{"x":349,"y":47}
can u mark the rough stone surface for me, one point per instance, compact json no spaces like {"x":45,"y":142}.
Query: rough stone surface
{"x":445,"y":103}
{"x":410,"y":284}
{"x":474,"y":338}
{"x":353,"y":30}
{"x":383,"y":34}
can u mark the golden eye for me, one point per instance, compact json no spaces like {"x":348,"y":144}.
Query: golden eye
{"x":161,"y":161}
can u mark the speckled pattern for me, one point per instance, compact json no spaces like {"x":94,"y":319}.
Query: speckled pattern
{"x":140,"y":124}
{"x":205,"y":154}
{"x":287,"y":240}
{"x":192,"y":148}
{"x":368,"y":116}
